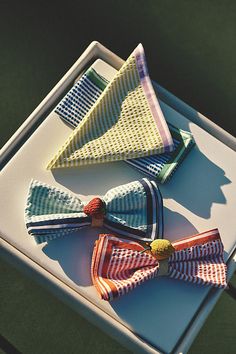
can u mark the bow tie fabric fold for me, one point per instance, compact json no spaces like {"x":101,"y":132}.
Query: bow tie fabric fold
{"x":118,"y":266}
{"x":84,"y":94}
{"x":126,"y":121}
{"x":134,"y":210}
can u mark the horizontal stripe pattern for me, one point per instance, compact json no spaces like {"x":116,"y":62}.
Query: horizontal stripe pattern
{"x":134,"y":210}
{"x":121,"y":125}
{"x":118,"y":266}
{"x":85,"y":94}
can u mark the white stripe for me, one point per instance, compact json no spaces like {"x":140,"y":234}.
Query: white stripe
{"x":199,"y":236}
{"x":61,"y":226}
{"x":154,"y":217}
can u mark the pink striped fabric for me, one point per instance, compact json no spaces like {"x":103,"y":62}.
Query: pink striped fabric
{"x":118,"y":266}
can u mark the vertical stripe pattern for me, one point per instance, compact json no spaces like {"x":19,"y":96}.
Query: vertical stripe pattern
{"x":118,"y":266}
{"x":134,"y":210}
{"x":125,"y":122}
{"x":81,"y":97}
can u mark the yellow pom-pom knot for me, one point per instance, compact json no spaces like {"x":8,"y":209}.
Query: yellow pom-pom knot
{"x":161,"y":249}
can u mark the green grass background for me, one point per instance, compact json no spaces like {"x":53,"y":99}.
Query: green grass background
{"x":190,"y":48}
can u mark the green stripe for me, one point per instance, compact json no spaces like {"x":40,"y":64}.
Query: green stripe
{"x":96,"y":79}
{"x":186,"y":144}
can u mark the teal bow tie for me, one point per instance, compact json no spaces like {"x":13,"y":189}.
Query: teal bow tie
{"x":134,"y":209}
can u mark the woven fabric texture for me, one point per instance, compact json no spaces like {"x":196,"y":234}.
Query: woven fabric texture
{"x":126,"y":121}
{"x":134,"y":210}
{"x":163,"y":166}
{"x":118,"y":266}
{"x":83,"y":96}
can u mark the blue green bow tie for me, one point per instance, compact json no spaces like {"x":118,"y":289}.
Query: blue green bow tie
{"x":134,"y":209}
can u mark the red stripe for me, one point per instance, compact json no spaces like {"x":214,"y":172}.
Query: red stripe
{"x":188,"y":242}
{"x":96,"y":263}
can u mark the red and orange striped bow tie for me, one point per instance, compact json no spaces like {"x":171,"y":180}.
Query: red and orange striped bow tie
{"x":118,"y":265}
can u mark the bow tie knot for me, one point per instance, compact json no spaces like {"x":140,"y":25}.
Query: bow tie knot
{"x":160,"y":249}
{"x":96,"y":209}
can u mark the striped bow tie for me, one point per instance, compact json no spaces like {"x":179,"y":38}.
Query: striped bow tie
{"x":134,"y":209}
{"x":119,"y":265}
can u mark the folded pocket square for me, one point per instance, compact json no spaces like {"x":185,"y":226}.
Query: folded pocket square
{"x":134,"y":209}
{"x":84,"y":94}
{"x":119,"y":265}
{"x":125,"y":122}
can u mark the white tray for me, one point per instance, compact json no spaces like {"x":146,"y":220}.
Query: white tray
{"x":200,"y":196}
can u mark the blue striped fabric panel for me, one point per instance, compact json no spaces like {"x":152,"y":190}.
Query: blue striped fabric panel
{"x":81,"y":97}
{"x":135,"y":210}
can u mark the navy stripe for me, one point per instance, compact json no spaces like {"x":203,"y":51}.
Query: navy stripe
{"x":121,"y":227}
{"x":152,"y":165}
{"x":59,"y":221}
{"x":149,"y":208}
{"x":140,"y":167}
{"x":50,"y":231}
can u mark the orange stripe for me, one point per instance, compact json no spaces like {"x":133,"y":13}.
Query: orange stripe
{"x":106,"y":263}
{"x":187,"y":242}
{"x":94,"y":268}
